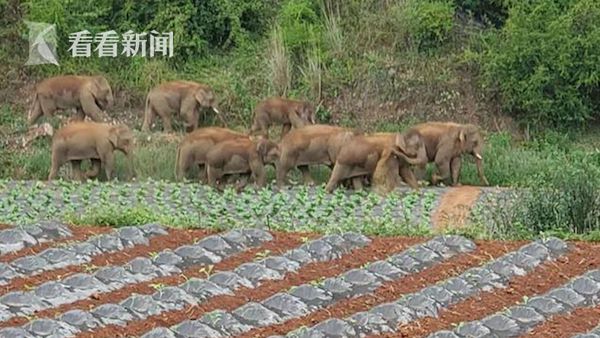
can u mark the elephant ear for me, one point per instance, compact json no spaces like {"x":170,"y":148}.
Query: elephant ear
{"x":399,"y":144}
{"x":262,"y":146}
{"x":462,"y":136}
{"x":113,"y":136}
{"x":202,"y":97}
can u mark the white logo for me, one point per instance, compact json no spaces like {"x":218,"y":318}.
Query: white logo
{"x":42,"y":43}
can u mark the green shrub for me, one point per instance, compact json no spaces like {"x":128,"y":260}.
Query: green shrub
{"x":492,"y":12}
{"x":301,"y":25}
{"x":544,"y":61}
{"x":429,"y":22}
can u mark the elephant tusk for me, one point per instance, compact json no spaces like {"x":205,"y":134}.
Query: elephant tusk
{"x":216,"y":110}
{"x":478,"y":156}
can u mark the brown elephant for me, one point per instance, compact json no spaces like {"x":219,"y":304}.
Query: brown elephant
{"x":362,"y":155}
{"x":445,"y":143}
{"x":241,"y":156}
{"x":88,"y":95}
{"x":316,"y":144}
{"x":193,"y":148}
{"x":79,"y":141}
{"x":286,"y":112}
{"x":183,"y":97}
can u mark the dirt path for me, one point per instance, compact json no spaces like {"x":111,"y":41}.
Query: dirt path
{"x":455,"y":207}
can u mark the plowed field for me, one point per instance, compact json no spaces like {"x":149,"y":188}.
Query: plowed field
{"x":153,"y":281}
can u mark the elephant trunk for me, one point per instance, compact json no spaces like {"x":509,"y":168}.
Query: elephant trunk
{"x":420,"y":159}
{"x":479,"y":164}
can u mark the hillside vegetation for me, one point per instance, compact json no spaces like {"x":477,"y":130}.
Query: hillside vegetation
{"x":527,"y":68}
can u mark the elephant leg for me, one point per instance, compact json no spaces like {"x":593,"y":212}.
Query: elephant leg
{"x":76,"y":169}
{"x":189,"y":112}
{"x":89,"y":106}
{"x":285,"y":129}
{"x":307,"y":178}
{"x":79,"y":115}
{"x":148,"y":117}
{"x":109,"y":164}
{"x":285,"y":165}
{"x":35,"y":111}
{"x":261,"y":126}
{"x":214,"y":175}
{"x":242,"y":183}
{"x":56,"y":164}
{"x":95,"y":171}
{"x":48,"y":107}
{"x":455,"y":165}
{"x":443,"y":167}
{"x":357,"y":183}
{"x":202,"y":175}
{"x":167,"y":126}
{"x":420,"y":171}
{"x":409,"y":177}
{"x":339,"y":172}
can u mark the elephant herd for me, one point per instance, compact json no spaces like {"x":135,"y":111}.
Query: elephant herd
{"x":355,"y":158}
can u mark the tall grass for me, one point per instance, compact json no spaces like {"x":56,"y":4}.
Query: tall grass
{"x":279,"y":64}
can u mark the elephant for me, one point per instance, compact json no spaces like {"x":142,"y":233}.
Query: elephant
{"x":368,"y":155}
{"x":88,"y":95}
{"x":445,"y":143}
{"x":79,"y":141}
{"x":193,"y":148}
{"x":241,"y":156}
{"x":183,"y":97}
{"x":277,"y":110}
{"x":310,"y":145}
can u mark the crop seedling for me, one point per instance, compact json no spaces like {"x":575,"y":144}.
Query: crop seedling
{"x":207,"y":270}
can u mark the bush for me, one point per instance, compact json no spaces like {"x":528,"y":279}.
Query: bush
{"x":544,"y":61}
{"x":300,"y":24}
{"x":492,"y":12}
{"x":429,"y":22}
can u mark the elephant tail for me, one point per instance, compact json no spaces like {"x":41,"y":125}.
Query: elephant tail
{"x":177,"y":164}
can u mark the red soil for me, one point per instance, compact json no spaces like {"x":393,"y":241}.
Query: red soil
{"x":393,"y":290}
{"x":378,"y":249}
{"x":80,"y":233}
{"x":281,"y":243}
{"x":172,"y":240}
{"x":545,"y":277}
{"x":579,"y":321}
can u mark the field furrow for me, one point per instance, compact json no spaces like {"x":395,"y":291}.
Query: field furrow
{"x":540,"y":313}
{"x":308,"y":298}
{"x":392,"y":289}
{"x":542,"y":279}
{"x":115,"y":247}
{"x":116,"y":282}
{"x":592,"y":333}
{"x":428,"y":302}
{"x":15,"y":240}
{"x":236,"y":285}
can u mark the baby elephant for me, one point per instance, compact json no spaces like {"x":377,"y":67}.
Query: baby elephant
{"x":241,"y":156}
{"x":380,"y":157}
{"x":195,"y":146}
{"x":79,"y":141}
{"x":286,"y":112}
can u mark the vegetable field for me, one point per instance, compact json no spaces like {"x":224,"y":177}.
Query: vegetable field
{"x":299,"y":208}
{"x":153,"y":281}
